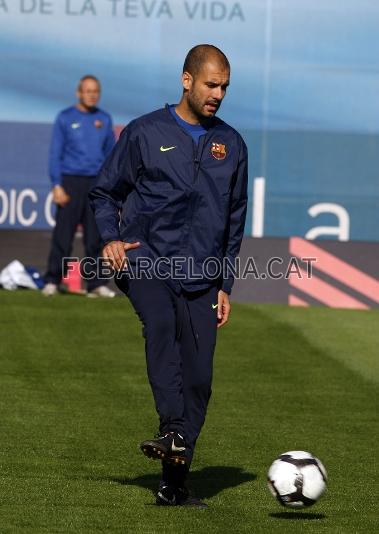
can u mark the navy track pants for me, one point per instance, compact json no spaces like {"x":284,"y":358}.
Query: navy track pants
{"x":77,"y":211}
{"x":180,"y":338}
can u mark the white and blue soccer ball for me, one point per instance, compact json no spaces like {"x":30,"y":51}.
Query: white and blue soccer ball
{"x":297,"y":479}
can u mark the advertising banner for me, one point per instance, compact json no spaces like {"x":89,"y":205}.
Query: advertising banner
{"x":303,"y":93}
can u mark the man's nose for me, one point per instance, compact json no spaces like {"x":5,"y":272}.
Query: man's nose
{"x":218,"y":93}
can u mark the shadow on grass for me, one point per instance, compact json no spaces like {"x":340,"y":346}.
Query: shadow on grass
{"x":297,"y":515}
{"x":206,"y":482}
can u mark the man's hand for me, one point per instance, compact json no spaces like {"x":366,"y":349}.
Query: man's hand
{"x":60,"y":196}
{"x":114,"y":252}
{"x":223,"y":308}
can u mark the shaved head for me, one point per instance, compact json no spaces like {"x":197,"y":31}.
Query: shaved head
{"x":201,"y":54}
{"x":205,"y":79}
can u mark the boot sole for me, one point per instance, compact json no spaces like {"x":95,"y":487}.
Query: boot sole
{"x":152,"y":450}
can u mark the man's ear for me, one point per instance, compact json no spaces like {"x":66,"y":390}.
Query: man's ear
{"x":187,"y":80}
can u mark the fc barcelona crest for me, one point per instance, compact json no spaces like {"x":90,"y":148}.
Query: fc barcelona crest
{"x":218,"y":151}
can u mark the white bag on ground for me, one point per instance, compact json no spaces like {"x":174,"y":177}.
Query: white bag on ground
{"x":15,"y":275}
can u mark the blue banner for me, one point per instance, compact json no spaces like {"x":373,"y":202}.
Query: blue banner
{"x":304,"y":94}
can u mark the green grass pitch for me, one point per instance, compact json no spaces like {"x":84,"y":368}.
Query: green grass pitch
{"x":75,"y":404}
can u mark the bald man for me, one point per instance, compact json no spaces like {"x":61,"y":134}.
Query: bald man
{"x":180,"y":175}
{"x":82,"y":138}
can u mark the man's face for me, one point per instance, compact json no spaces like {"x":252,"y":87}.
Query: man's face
{"x":206,"y":89}
{"x":88,"y":93}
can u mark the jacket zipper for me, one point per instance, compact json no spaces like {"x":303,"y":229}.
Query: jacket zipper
{"x":199,"y":154}
{"x":197,"y":150}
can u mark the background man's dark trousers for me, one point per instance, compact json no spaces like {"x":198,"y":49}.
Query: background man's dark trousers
{"x":180,"y":337}
{"x":77,"y":211}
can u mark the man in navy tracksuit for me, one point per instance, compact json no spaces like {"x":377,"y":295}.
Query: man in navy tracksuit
{"x":178,"y":177}
{"x":82,"y":138}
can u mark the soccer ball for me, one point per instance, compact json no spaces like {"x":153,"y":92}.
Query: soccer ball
{"x":297,"y":479}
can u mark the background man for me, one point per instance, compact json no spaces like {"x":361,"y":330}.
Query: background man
{"x":181,"y":174}
{"x":82,"y":138}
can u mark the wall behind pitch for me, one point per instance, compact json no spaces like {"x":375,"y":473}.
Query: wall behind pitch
{"x":304,"y":93}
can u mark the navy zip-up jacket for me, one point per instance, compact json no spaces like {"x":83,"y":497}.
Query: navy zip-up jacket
{"x":176,"y":198}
